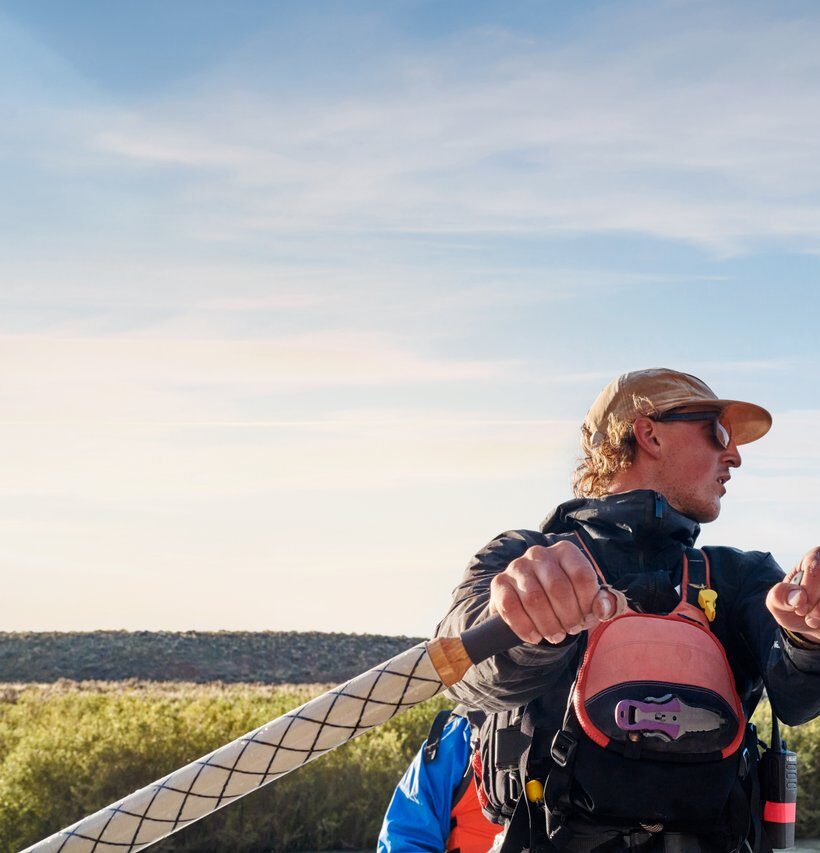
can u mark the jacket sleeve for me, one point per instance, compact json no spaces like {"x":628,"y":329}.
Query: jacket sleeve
{"x":418,"y":817}
{"x":791,"y":674}
{"x":513,"y":678}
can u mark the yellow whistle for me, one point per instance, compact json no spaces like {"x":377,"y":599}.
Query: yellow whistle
{"x":706,"y":600}
{"x":535,"y":791}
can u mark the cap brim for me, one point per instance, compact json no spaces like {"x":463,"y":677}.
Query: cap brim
{"x":749,"y":421}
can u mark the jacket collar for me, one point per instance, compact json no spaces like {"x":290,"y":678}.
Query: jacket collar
{"x":640,"y":518}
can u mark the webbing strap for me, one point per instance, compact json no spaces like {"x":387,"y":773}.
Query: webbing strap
{"x":696,"y":575}
{"x":463,"y":785}
{"x":585,"y":548}
{"x":431,"y":747}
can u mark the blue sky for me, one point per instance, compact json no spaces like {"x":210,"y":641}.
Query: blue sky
{"x":300,"y":304}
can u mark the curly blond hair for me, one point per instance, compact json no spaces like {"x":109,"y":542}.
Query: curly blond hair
{"x":605,"y":455}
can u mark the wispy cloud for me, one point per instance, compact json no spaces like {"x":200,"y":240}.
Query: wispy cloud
{"x":148,"y":378}
{"x":501,"y":134}
{"x":143,"y":462}
{"x":104,"y":298}
{"x":490,"y":131}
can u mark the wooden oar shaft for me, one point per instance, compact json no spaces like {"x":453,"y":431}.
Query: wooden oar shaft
{"x":278,"y":747}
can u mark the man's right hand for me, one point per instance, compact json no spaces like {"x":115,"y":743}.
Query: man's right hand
{"x":549,"y":592}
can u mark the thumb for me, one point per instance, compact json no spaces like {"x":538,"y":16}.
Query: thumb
{"x":787,"y":598}
{"x":608,"y":603}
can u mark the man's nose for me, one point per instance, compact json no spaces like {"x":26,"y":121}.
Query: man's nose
{"x":731,"y":456}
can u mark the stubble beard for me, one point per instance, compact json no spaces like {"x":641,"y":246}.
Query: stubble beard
{"x":698,"y":508}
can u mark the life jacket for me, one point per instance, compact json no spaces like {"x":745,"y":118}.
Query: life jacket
{"x":470,"y":831}
{"x":654,"y":737}
{"x":654,"y":729}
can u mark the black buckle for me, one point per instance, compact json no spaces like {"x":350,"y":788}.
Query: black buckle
{"x":563,"y":748}
{"x":509,"y":747}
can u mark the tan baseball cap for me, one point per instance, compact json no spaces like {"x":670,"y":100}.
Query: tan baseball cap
{"x":669,"y":389}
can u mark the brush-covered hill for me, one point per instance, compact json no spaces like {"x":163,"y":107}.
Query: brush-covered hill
{"x":270,"y":657}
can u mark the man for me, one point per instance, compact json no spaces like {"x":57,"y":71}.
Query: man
{"x":658,"y":450}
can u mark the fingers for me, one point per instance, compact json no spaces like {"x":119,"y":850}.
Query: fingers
{"x":783,"y":600}
{"x":807,"y":577}
{"x":804,"y":596}
{"x":505,"y":599}
{"x":577,"y":568}
{"x":550,"y":592}
{"x":795,"y":603}
{"x":523,"y":603}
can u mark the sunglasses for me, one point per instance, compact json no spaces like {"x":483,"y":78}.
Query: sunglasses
{"x":722,"y":433}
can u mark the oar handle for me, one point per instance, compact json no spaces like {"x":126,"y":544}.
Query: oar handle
{"x":491,"y":637}
{"x":453,"y":656}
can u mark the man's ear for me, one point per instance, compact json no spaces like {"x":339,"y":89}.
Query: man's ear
{"x":647,"y":436}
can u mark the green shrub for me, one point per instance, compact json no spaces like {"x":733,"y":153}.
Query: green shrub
{"x":68,"y":751}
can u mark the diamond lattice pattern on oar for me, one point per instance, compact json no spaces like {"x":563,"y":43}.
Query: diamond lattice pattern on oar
{"x":255,"y":759}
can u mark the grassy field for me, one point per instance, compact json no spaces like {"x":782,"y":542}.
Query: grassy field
{"x":69,"y":748}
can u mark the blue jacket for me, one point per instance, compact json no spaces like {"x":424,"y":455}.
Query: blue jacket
{"x":418,"y":817}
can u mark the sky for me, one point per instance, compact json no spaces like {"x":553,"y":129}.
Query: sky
{"x":303,"y":303}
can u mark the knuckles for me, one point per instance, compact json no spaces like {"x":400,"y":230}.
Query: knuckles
{"x":561,"y":570}
{"x":531,"y":597}
{"x":537,"y":553}
{"x":500,"y":585}
{"x":550,"y":553}
{"x":811,"y":560}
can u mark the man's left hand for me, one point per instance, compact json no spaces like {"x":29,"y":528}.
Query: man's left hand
{"x":796,"y":605}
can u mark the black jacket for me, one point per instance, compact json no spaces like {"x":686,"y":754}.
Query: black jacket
{"x":638,"y":541}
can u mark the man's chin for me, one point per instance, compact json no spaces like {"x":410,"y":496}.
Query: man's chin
{"x":703,"y":515}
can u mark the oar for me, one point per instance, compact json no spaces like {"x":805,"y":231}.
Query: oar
{"x":286,"y":743}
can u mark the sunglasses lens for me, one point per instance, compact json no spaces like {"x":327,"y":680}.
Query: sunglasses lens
{"x":722,"y":434}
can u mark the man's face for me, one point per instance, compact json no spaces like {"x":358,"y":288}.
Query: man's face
{"x":694,"y":468}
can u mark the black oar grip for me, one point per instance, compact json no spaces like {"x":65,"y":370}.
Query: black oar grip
{"x":489,"y":638}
